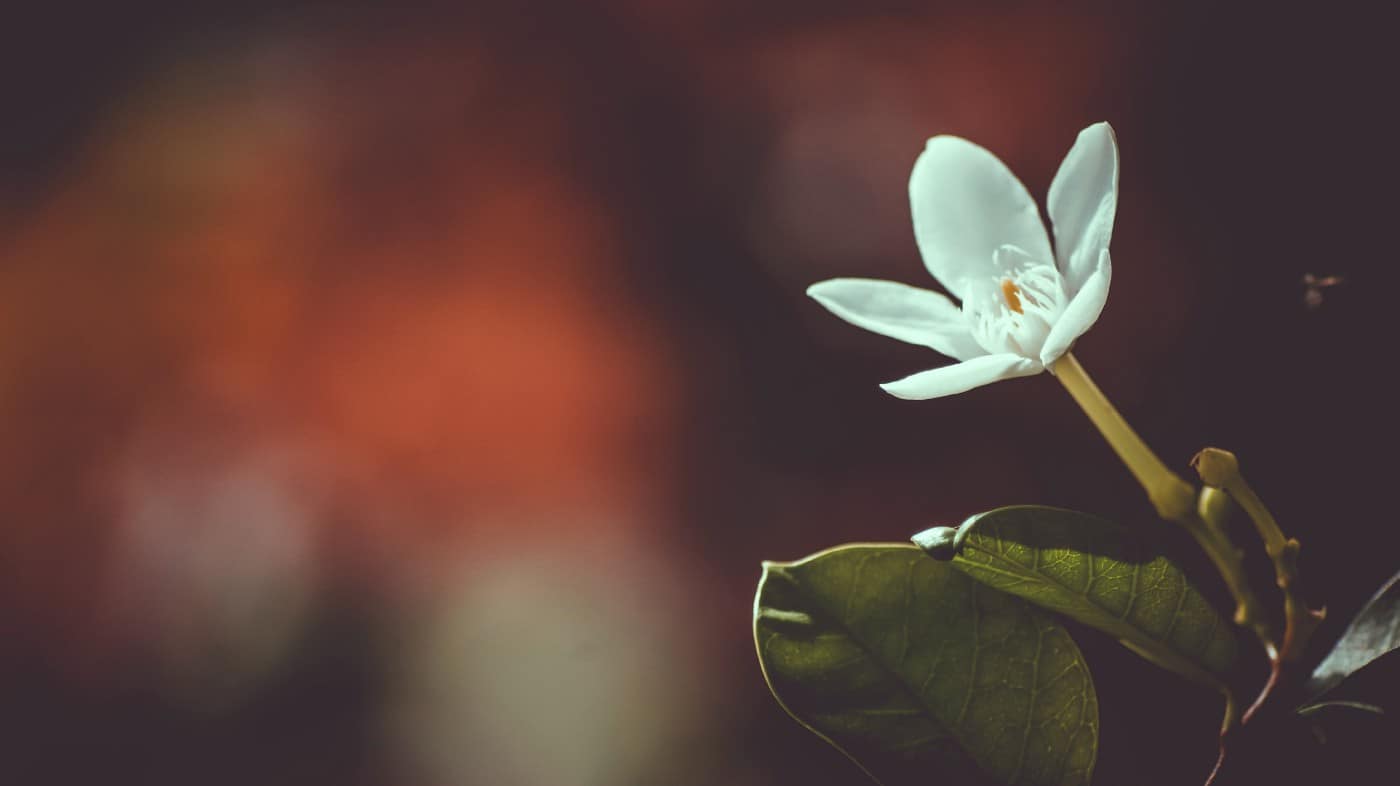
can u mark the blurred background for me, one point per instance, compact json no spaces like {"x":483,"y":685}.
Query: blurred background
{"x":407,"y":395}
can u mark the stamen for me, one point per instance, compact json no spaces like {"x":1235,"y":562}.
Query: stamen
{"x":1011,"y":293}
{"x":1014,"y":310}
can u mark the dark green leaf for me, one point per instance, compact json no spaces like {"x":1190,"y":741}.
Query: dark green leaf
{"x":1092,"y":571}
{"x":1373,"y":632}
{"x":921,"y":675}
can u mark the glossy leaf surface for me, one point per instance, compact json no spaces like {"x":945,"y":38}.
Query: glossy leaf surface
{"x":921,"y":675}
{"x":1373,"y":632}
{"x":1092,"y":571}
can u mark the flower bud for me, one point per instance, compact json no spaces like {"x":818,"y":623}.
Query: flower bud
{"x":1214,"y":507}
{"x":941,"y":543}
{"x":1216,"y":467}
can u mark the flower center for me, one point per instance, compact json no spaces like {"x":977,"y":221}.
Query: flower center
{"x":1013,"y":309}
{"x":1010,"y":293}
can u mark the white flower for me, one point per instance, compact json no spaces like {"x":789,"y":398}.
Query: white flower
{"x":981,"y":236}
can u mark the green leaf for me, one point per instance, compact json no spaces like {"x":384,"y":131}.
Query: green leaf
{"x":1373,"y":632}
{"x":921,"y":675}
{"x":1092,"y":571}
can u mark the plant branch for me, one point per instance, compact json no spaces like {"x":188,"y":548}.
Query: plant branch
{"x":1174,"y":498}
{"x":1208,"y":528}
{"x":1169,"y":494}
{"x":1220,"y":469}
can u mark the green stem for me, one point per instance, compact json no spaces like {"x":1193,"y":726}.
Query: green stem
{"x":1220,"y":468}
{"x":1228,"y":562}
{"x":1169,"y":494}
{"x":1208,"y":528}
{"x":1174,"y":498}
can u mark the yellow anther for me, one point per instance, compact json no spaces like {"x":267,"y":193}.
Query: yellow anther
{"x":1012,"y":294}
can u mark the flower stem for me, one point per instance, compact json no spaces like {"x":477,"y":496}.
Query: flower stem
{"x":1169,"y":494}
{"x":1173,"y":498}
{"x":1220,"y":468}
{"x":1229,"y":562}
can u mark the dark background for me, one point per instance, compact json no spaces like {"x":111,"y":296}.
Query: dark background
{"x":409,"y":395}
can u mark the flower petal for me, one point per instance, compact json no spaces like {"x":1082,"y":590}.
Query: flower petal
{"x":961,"y":377}
{"x":1081,"y":313}
{"x":907,"y":313}
{"x":966,"y":204}
{"x":1083,"y":201}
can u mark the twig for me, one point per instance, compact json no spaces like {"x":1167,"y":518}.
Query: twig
{"x":1220,"y":468}
{"x":1174,"y":499}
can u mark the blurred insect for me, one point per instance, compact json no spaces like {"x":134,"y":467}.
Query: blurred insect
{"x":1312,"y":296}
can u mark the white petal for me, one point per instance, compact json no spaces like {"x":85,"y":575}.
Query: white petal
{"x":1083,"y":201}
{"x":961,"y":377}
{"x":907,"y":313}
{"x":1081,"y":313}
{"x":966,"y":204}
